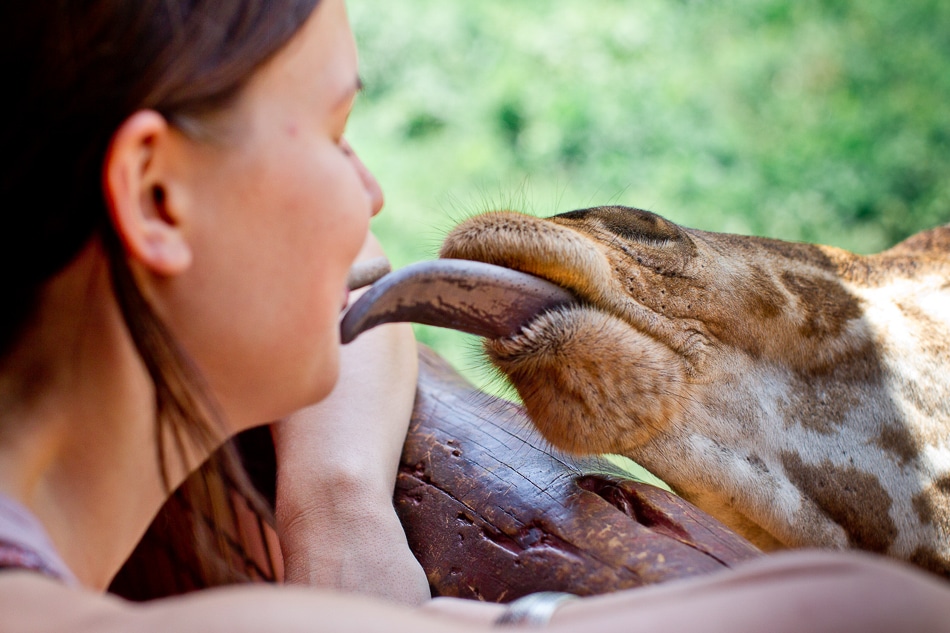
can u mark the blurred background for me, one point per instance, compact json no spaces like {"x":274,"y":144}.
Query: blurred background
{"x":817,"y":120}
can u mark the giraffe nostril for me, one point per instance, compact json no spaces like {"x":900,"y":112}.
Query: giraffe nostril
{"x":629,"y":223}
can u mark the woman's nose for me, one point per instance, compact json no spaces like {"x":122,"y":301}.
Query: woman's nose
{"x":377,"y":200}
{"x":369,"y":182}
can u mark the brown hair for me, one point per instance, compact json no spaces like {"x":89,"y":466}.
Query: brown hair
{"x":74,"y":71}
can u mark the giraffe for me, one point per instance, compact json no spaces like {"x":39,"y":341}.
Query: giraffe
{"x":799,"y":393}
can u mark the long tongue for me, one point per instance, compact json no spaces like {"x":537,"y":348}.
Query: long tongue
{"x":462,"y":295}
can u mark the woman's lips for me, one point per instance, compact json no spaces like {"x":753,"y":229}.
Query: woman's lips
{"x":363,"y":274}
{"x":366,"y":272}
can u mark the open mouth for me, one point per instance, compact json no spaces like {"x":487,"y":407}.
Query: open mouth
{"x":469,"y":296}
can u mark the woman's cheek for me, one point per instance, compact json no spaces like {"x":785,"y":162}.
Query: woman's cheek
{"x":354,"y":211}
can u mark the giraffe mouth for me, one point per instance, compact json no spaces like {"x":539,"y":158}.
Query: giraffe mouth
{"x":469,"y":296}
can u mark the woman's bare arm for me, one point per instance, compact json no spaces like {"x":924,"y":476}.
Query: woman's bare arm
{"x":30,"y":603}
{"x":337,"y":465}
{"x":792,"y":592}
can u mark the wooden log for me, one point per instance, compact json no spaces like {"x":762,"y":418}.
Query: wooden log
{"x":491,"y":511}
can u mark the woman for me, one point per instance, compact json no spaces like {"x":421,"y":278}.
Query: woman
{"x":190,"y":213}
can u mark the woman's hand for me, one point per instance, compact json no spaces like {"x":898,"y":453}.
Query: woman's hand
{"x":337,"y":464}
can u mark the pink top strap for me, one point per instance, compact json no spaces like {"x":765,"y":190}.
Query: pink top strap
{"x":24,"y":543}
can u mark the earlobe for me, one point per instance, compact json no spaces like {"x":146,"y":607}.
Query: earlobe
{"x":136,"y":192}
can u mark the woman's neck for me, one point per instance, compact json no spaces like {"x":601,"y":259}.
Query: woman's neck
{"x":77,"y":424}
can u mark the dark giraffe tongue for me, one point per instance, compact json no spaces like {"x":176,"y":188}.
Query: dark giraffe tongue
{"x":462,"y":295}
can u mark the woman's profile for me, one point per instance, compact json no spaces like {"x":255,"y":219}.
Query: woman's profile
{"x":182,"y":210}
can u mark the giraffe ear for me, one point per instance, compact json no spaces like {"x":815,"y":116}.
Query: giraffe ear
{"x":142,"y":194}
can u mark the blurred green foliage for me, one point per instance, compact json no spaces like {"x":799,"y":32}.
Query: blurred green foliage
{"x":819,"y":120}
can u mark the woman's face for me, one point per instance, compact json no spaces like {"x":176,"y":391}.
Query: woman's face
{"x":282,"y":206}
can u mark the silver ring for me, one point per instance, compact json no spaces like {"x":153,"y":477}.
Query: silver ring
{"x":534,"y":609}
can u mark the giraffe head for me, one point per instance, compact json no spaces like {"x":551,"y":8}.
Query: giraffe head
{"x":797,"y":392}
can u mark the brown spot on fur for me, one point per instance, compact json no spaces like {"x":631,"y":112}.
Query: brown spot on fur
{"x":883,"y":268}
{"x":808,"y":254}
{"x":765,"y":299}
{"x":933,"y":503}
{"x":826,"y":305}
{"x":762,"y":301}
{"x":849,"y":369}
{"x":796,"y":251}
{"x":896,"y":440}
{"x":854,"y":500}
{"x":822,"y":393}
{"x":927,"y":558}
{"x":932,"y":335}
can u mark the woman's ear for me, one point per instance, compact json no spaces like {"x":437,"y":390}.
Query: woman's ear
{"x":136,"y":183}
